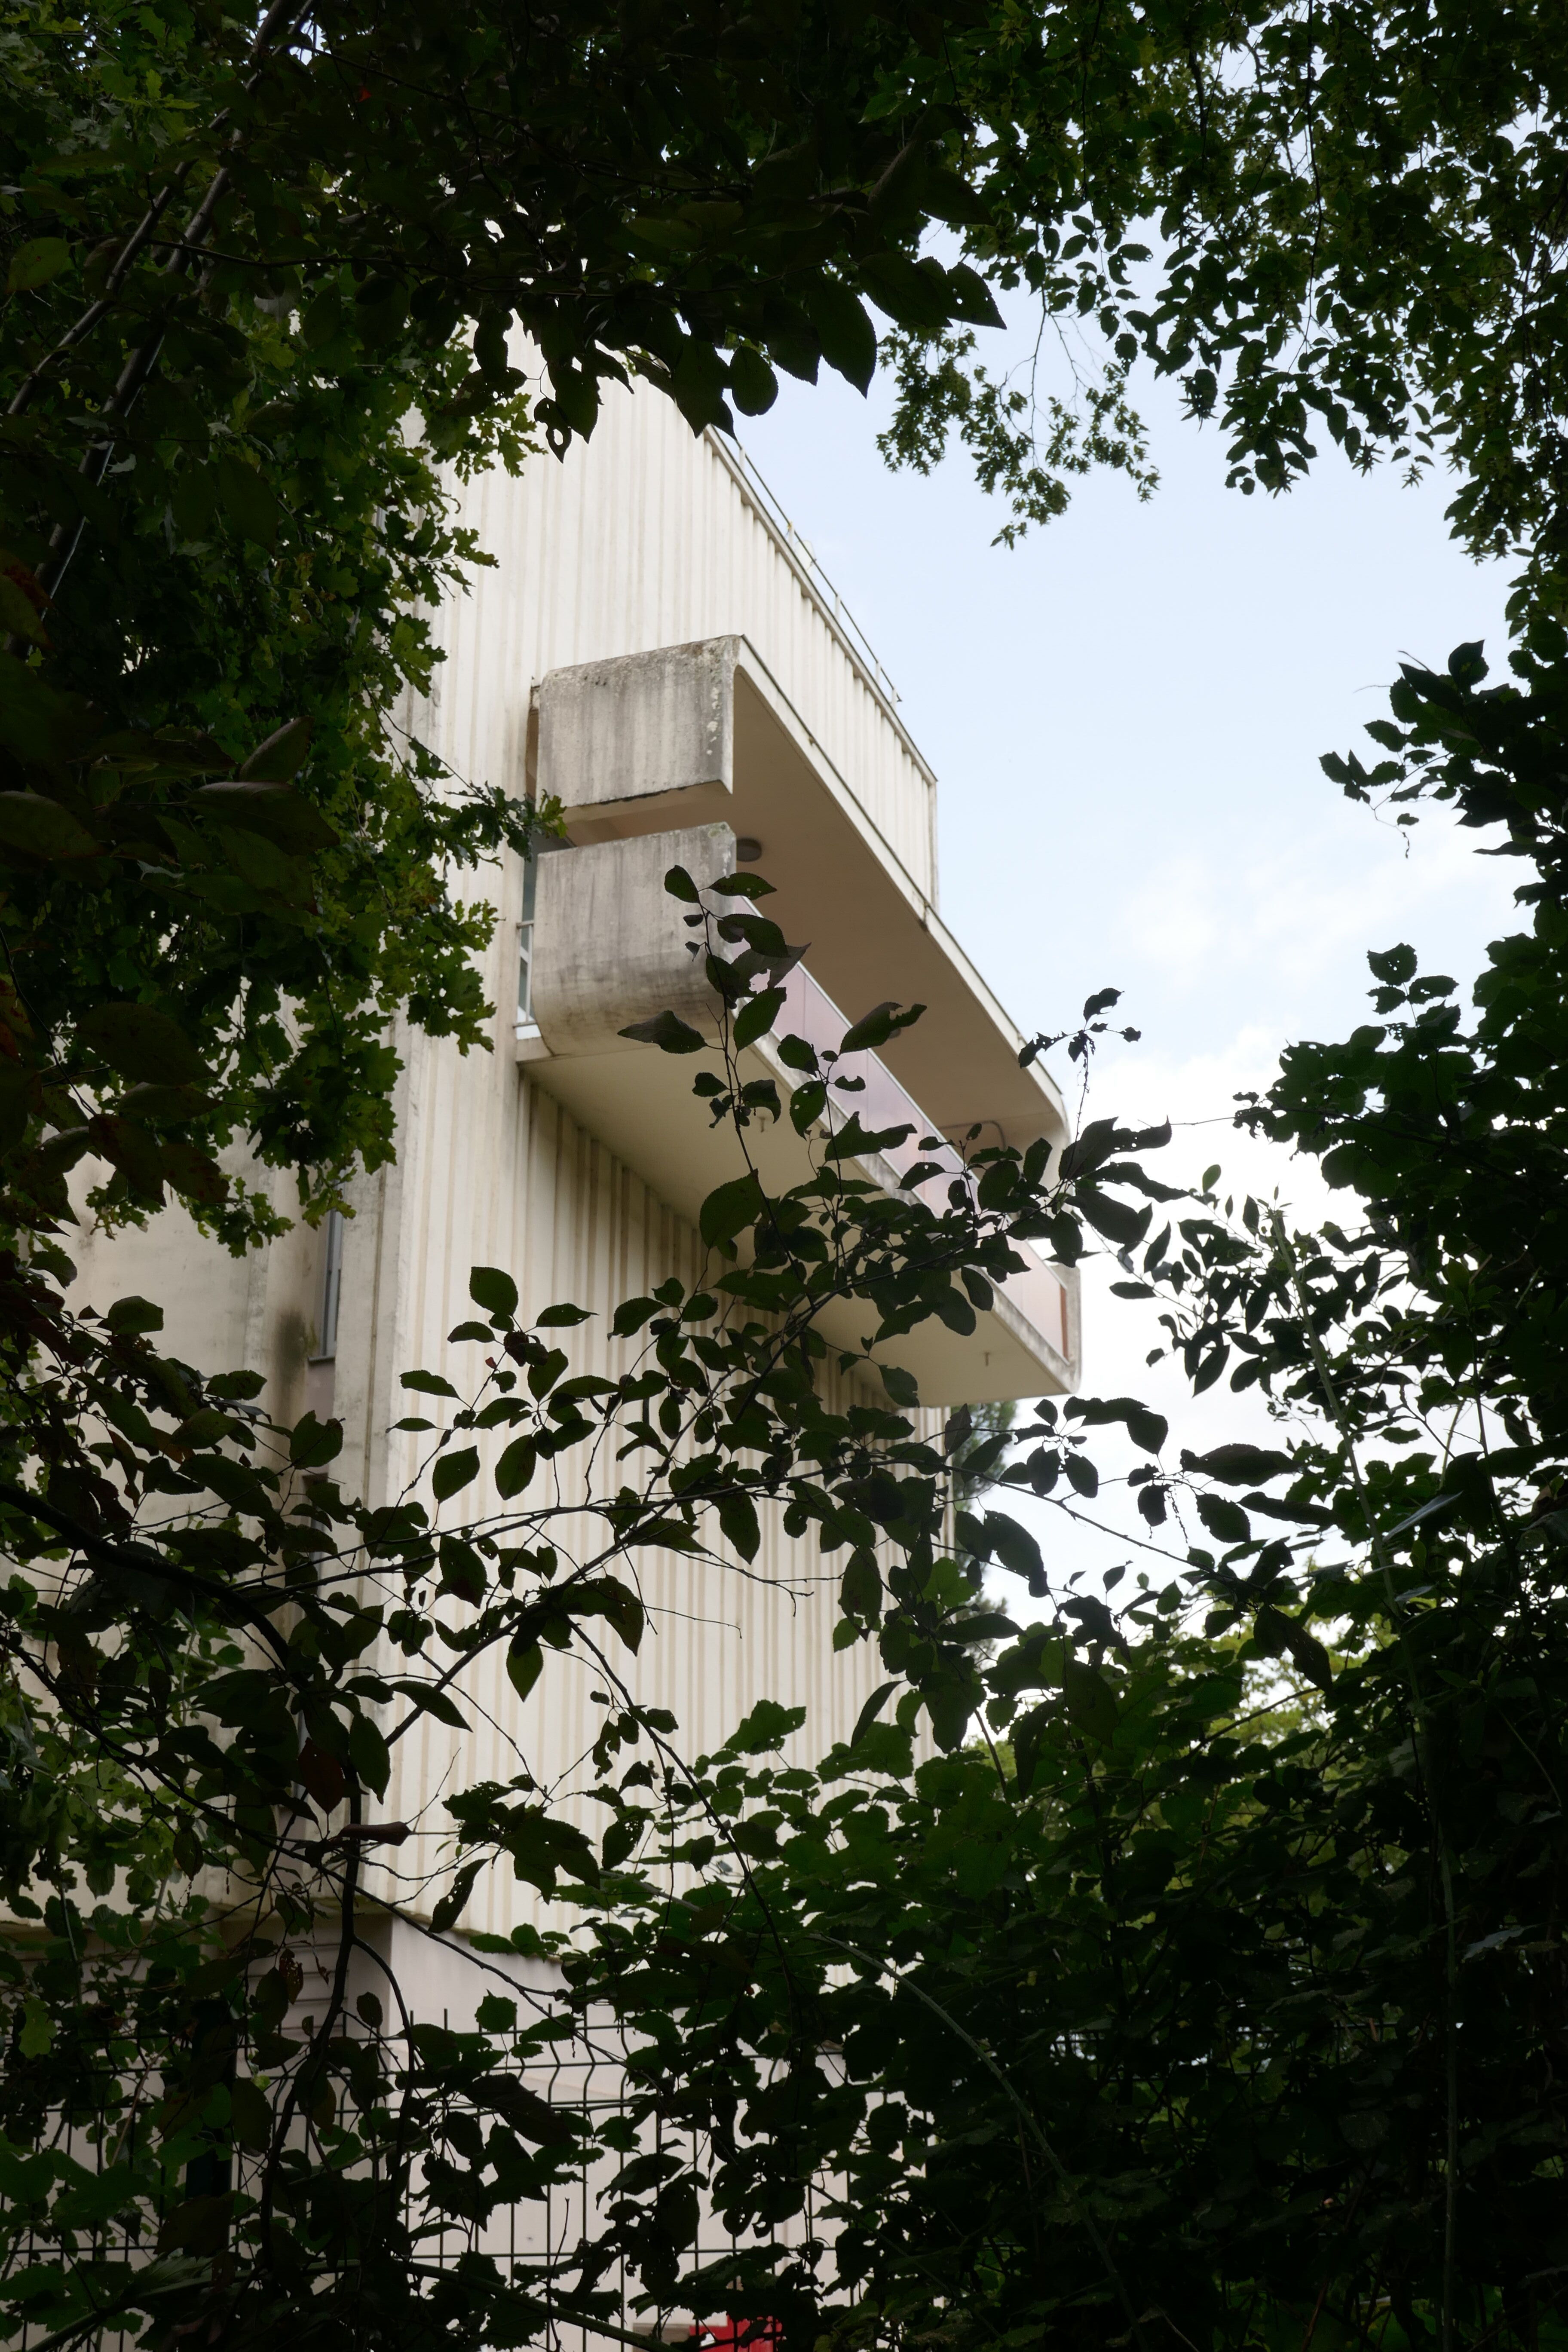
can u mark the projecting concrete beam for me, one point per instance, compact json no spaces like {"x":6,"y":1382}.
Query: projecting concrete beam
{"x":610,"y":949}
{"x":701,"y":733}
{"x":609,"y":946}
{"x":643,"y":743}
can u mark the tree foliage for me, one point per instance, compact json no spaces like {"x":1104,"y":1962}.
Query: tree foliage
{"x":212,"y":1652}
{"x":1222,"y":2003}
{"x":228,"y":305}
{"x":1203,"y":1979}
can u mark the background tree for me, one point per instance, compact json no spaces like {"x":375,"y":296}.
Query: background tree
{"x":1228,"y":2009}
{"x":200,"y":1708}
{"x":227,"y":289}
{"x":224,"y":299}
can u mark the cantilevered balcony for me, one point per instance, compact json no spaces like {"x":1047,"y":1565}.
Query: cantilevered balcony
{"x":663,"y":760}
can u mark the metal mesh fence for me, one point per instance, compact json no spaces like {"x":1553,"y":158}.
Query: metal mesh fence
{"x":533,"y":2232}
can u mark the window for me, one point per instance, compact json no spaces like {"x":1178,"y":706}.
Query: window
{"x":525,"y":939}
{"x":331,"y":1288}
{"x":526,"y":1017}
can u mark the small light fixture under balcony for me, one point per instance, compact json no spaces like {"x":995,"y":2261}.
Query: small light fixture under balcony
{"x":747,"y":849}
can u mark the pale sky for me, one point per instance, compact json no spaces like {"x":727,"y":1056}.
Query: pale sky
{"x":1126,"y":715}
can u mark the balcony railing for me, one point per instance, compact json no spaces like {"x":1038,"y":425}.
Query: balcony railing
{"x":606,"y":950}
{"x":809,"y":1012}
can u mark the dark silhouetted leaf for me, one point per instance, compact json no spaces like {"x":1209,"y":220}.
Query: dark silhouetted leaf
{"x":494,"y":1291}
{"x":668,"y":1031}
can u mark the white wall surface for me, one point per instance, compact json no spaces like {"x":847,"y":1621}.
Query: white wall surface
{"x":647,"y":538}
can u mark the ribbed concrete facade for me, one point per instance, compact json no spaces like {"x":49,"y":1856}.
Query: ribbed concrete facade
{"x":648,"y":538}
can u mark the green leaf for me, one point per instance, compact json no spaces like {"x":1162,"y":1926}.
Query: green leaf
{"x":853,"y":1141}
{"x":133,"y":1313}
{"x":250,"y":2114}
{"x":1145,"y":1427}
{"x":167,"y":1106}
{"x":312,"y":1442}
{"x":668,"y":1031}
{"x":38,"y":2033}
{"x":680,"y":884}
{"x":753,"y":386}
{"x":970,"y":297}
{"x":236,"y":1484}
{"x":42,"y":828}
{"x":738,"y":1517}
{"x":454,"y":1471}
{"x":848,"y":339}
{"x":757,"y":1016}
{"x":807,"y":1105}
{"x":291,"y":823}
{"x":768,"y":1726}
{"x":246,"y":499}
{"x":462,"y":1570}
{"x":428,"y":1383}
{"x":282,"y":755}
{"x":876,"y":1028}
{"x":516,"y":1467}
{"x":43,"y":728}
{"x":513,"y":2100}
{"x":368,"y":1754}
{"x":430,"y":1701}
{"x":141,"y":1043}
{"x":871,"y":1711}
{"x":914,"y":293}
{"x":1114,"y":1219}
{"x":1278,"y":1634}
{"x":554,"y":1318}
{"x":731,"y":1208}
{"x":621,"y":1839}
{"x":193,"y":500}
{"x":524,"y":1663}
{"x":494,"y":1291}
{"x":35,"y":263}
{"x":698,"y":382}
{"x":1014,"y":1546}
{"x":1395,"y":964}
{"x":20,"y":617}
{"x":860,"y":1587}
{"x":1239,"y":1464}
{"x":133,"y":1150}
{"x":1090,"y":1703}
{"x":263,"y":867}
{"x":449,"y":1909}
{"x":610,"y":1599}
{"x":1223,"y":1519}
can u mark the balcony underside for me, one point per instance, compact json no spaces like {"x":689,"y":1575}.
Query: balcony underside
{"x":639,"y":1103}
{"x":699,"y":739}
{"x":700,"y":734}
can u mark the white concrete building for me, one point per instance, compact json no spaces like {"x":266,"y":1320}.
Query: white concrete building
{"x":657,"y":648}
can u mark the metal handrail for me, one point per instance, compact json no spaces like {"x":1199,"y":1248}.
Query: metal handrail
{"x":1034,"y":1290}
{"x":804,"y":556}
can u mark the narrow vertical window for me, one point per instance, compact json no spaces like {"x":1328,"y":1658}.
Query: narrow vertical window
{"x":525,"y":939}
{"x":331,"y":1288}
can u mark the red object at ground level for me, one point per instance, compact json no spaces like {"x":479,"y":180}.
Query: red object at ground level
{"x":736,"y":2335}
